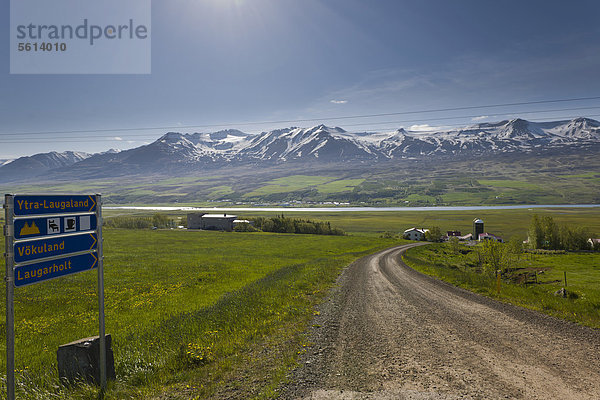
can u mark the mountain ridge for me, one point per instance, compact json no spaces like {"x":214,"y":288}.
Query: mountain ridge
{"x":174,"y":151}
{"x":39,"y":164}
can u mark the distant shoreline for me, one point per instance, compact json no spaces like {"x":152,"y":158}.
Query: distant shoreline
{"x":350,"y":209}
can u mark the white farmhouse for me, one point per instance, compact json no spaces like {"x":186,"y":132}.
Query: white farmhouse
{"x":489,"y":236}
{"x":415,"y":233}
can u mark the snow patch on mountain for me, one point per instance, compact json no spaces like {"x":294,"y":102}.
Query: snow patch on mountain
{"x":336,"y":144}
{"x":320,"y":143}
{"x":38,"y":164}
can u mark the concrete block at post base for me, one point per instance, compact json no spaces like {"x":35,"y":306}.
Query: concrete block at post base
{"x":80,"y":360}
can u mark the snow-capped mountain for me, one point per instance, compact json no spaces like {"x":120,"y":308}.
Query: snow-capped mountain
{"x":175,"y":152}
{"x":335,"y":144}
{"x":515,"y":135}
{"x":172,"y":146}
{"x":319,"y":142}
{"x":170,"y":152}
{"x":39,"y":164}
{"x":220,"y":140}
{"x":578,"y":129}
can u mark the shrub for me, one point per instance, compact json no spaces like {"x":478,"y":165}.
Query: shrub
{"x":244,"y":227}
{"x":544,"y":233}
{"x":129,"y":222}
{"x":283,"y":224}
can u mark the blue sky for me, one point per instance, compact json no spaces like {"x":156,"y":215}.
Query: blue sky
{"x":230,"y":62}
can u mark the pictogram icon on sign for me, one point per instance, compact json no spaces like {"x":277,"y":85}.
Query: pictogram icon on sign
{"x":53,"y":226}
{"x":29,"y":229}
{"x":70,"y":224}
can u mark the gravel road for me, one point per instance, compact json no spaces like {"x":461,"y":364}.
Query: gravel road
{"x":389,"y":332}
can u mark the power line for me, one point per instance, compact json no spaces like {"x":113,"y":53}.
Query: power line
{"x":345,"y":125}
{"x":375,"y":123}
{"x":87,"y":140}
{"x":336,"y":118}
{"x":473,"y":116}
{"x":570,"y":117}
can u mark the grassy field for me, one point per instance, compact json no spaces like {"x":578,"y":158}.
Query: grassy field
{"x":195,"y":313}
{"x":509,"y":179}
{"x":506,"y":223}
{"x":189,"y":312}
{"x":295,"y":183}
{"x":289,"y":184}
{"x":511,"y":184}
{"x":582,"y":271}
{"x":339,"y":185}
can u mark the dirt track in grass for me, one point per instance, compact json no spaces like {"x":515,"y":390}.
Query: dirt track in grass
{"x":389,"y":332}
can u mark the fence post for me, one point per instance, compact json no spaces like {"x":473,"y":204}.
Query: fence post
{"x":498,"y":278}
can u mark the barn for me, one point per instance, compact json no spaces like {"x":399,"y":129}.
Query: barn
{"x":218,"y":222}
{"x":213,"y":222}
{"x":194,"y":220}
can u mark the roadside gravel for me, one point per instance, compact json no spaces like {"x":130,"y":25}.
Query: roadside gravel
{"x":389,"y":332}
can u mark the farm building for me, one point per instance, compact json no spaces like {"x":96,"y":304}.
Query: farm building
{"x":489,"y":236}
{"x":594,"y":243}
{"x":218,"y":222}
{"x":194,"y":220}
{"x":477,"y":227}
{"x":242,"y":221}
{"x":415,"y":233}
{"x":215,"y":222}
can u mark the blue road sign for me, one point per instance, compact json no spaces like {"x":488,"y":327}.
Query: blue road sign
{"x":42,"y":271}
{"x":53,"y":204}
{"x":28,"y":228}
{"x":54,"y":246}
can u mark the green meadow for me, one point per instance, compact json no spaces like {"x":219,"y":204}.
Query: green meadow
{"x":189,"y":311}
{"x":511,"y":184}
{"x":526,"y":179}
{"x":295,"y":183}
{"x":505,"y":223}
{"x":531,"y":282}
{"x":196,"y":314}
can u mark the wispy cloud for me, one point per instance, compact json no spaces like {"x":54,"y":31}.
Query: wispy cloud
{"x":118,"y":138}
{"x":338,"y":101}
{"x":480,"y":118}
{"x":382,"y":83}
{"x":425,"y":128}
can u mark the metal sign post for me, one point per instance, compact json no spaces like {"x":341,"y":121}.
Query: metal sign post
{"x":46,"y":237}
{"x":101,"y":296}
